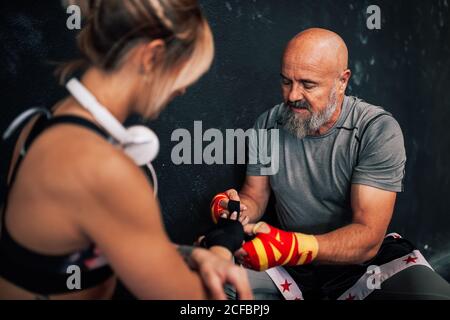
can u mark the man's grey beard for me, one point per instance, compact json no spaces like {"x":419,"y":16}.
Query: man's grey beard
{"x":302,"y":126}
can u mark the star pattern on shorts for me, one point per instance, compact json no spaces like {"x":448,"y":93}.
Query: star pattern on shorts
{"x":350,"y":297}
{"x":410,"y":259}
{"x":286,"y":285}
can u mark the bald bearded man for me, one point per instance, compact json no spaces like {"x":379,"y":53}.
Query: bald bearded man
{"x":341,"y":163}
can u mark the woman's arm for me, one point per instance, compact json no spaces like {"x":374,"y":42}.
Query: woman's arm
{"x":123,"y":219}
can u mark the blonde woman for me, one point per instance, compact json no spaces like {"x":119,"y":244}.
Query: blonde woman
{"x":74,"y":198}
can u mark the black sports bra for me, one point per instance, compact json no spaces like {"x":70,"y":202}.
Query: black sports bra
{"x":45,"y":274}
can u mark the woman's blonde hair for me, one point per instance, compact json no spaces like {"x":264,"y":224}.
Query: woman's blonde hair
{"x":113,"y":27}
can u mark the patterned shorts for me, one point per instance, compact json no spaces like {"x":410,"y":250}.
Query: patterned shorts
{"x":347,"y":282}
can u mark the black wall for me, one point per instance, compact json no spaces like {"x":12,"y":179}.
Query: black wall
{"x":403,"y":67}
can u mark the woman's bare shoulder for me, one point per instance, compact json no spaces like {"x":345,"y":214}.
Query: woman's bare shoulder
{"x":80,"y":160}
{"x":92,"y":171}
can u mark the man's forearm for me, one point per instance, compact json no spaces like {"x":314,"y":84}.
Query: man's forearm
{"x":254,"y":211}
{"x":354,"y":243}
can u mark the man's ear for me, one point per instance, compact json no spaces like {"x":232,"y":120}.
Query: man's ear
{"x":151,"y":55}
{"x":343,"y":80}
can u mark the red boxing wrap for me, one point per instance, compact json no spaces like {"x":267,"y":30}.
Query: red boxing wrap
{"x":215,"y":206}
{"x":278,"y":248}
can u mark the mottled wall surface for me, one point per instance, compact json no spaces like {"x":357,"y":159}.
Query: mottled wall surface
{"x":403,"y":67}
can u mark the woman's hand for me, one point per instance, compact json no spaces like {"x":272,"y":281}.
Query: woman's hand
{"x":219,"y":250}
{"x":242,"y":219}
{"x":215,"y":272}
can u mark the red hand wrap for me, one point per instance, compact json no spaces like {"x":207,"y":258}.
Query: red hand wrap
{"x":278,"y":248}
{"x":215,"y":206}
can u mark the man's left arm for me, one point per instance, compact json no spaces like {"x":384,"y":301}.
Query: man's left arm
{"x":360,"y":240}
{"x":376,"y":179}
{"x":353,"y":244}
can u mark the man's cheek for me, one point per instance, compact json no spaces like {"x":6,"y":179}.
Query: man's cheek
{"x":285,"y":94}
{"x":318,"y":104}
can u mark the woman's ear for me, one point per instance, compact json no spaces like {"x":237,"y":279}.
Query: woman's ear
{"x":151,"y":55}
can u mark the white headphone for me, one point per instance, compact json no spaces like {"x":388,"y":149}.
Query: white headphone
{"x":139,"y":142}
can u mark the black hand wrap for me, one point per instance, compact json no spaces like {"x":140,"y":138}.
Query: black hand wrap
{"x":233,"y":206}
{"x":228,"y":233}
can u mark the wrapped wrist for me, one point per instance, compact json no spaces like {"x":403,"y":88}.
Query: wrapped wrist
{"x":278,"y":248}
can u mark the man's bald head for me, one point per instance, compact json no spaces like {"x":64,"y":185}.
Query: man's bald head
{"x":314,"y":78}
{"x":319,"y":47}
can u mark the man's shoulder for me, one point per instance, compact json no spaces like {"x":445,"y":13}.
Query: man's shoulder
{"x":371,"y":121}
{"x":362,"y":114}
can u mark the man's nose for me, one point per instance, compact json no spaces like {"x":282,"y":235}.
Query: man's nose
{"x":295,"y":94}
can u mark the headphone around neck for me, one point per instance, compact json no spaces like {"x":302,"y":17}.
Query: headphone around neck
{"x":139,"y":142}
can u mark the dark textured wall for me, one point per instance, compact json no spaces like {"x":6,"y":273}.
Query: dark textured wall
{"x":403,"y":67}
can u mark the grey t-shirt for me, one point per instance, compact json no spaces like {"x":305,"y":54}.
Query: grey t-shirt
{"x":313,"y":183}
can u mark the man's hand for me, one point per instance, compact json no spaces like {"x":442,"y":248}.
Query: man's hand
{"x":253,"y":197}
{"x":215,"y":272}
{"x":273,"y":247}
{"x":232,"y":194}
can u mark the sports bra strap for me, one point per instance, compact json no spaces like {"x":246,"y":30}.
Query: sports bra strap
{"x":43,"y":124}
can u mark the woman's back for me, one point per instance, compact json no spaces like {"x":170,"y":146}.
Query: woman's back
{"x":50,"y":193}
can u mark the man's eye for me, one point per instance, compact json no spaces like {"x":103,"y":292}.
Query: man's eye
{"x":285,"y":82}
{"x":309,"y":86}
